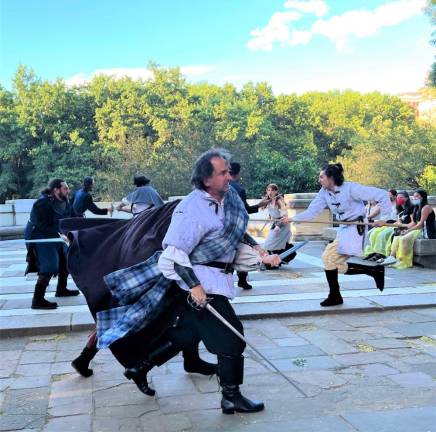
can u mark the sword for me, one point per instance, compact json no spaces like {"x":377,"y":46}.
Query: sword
{"x":293,"y":249}
{"x":20,"y":241}
{"x":214,"y":312}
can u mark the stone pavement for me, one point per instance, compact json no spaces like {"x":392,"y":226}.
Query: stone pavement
{"x":361,"y":372}
{"x":368,"y":365}
{"x":295,"y":290}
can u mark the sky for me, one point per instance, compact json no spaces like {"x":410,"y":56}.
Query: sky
{"x":293,"y":45}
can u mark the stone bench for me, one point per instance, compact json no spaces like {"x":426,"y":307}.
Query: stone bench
{"x":424,"y":250}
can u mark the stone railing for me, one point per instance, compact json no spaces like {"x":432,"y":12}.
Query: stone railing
{"x":14,"y":215}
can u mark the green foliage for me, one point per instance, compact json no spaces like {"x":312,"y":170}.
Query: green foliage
{"x":113,"y":128}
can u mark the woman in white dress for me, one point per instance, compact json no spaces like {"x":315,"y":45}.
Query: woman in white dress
{"x":277,"y":240}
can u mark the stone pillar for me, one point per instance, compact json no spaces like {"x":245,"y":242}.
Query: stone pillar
{"x":299,"y":202}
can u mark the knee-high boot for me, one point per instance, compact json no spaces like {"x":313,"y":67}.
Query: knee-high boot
{"x":138,"y":373}
{"x":61,"y":289}
{"x":194,"y":364}
{"x":38,"y":301}
{"x":334,"y":298}
{"x":230,"y":374}
{"x":377,"y":272}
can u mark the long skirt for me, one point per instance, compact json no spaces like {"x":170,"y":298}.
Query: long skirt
{"x":380,"y":241}
{"x":402,"y":248}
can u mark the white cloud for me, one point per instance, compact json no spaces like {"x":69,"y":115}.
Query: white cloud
{"x":277,"y":30}
{"x":316,"y":7}
{"x":341,"y":29}
{"x":135,"y":73}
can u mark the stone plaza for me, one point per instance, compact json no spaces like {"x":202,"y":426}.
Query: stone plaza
{"x":368,"y":365}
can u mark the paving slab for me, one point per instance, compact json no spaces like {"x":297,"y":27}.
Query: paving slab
{"x":401,"y":420}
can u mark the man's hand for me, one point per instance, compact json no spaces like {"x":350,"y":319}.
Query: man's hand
{"x":64,"y":238}
{"x":261,"y":252}
{"x":379,"y":223}
{"x":198,"y":294}
{"x":119,"y":206}
{"x":272,"y":260}
{"x":285,"y":220}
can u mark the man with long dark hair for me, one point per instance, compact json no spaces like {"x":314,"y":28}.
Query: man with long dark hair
{"x":346,"y":202}
{"x":48,"y":259}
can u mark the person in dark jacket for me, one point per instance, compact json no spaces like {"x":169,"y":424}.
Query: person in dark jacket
{"x":48,"y":259}
{"x":235,"y":172}
{"x":83,"y":200}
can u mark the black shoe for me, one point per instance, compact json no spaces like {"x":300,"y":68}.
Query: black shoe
{"x":199,"y":366}
{"x":245,"y":285}
{"x":67,"y":293}
{"x":233,"y":401}
{"x":332,"y":301}
{"x":370,"y":256}
{"x":81,"y":363}
{"x":140,"y":379}
{"x":43,"y":304}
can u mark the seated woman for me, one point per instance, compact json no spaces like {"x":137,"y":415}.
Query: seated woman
{"x":277,"y":240}
{"x":380,"y":239}
{"x":422,"y":225}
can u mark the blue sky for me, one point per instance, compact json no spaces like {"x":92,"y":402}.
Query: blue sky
{"x":294,"y":45}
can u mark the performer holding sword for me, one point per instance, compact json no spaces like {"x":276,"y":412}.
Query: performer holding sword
{"x":346,"y":202}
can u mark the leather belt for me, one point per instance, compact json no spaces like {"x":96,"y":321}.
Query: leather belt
{"x":225,"y":267}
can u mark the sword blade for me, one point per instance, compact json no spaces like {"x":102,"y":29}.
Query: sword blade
{"x":20,"y":241}
{"x":214,"y":312}
{"x":293,"y":249}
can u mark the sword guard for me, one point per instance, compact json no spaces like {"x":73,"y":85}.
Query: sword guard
{"x":194,"y":304}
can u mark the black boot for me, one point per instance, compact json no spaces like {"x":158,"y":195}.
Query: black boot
{"x":138,"y":374}
{"x":230,"y":374}
{"x":160,"y":355}
{"x":62,"y":290}
{"x":81,"y":363}
{"x":334,"y":298}
{"x":242,"y":281}
{"x":194,"y":364}
{"x":38,"y":301}
{"x":377,"y":272}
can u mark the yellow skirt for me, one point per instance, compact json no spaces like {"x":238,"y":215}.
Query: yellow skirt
{"x":402,"y":247}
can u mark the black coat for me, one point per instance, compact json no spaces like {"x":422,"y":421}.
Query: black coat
{"x":82,"y":201}
{"x":44,"y":222}
{"x":101,"y":246}
{"x":243,"y":195}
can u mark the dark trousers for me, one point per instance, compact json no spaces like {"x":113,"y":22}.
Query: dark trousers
{"x":194,"y":326}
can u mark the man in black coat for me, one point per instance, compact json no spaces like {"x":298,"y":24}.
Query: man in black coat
{"x":48,"y":259}
{"x":82,"y":200}
{"x":235,"y":172}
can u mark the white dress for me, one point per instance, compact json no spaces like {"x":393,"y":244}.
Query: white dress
{"x":279,"y":234}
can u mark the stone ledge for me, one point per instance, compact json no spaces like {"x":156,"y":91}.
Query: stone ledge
{"x":12,"y":232}
{"x":244,"y":311}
